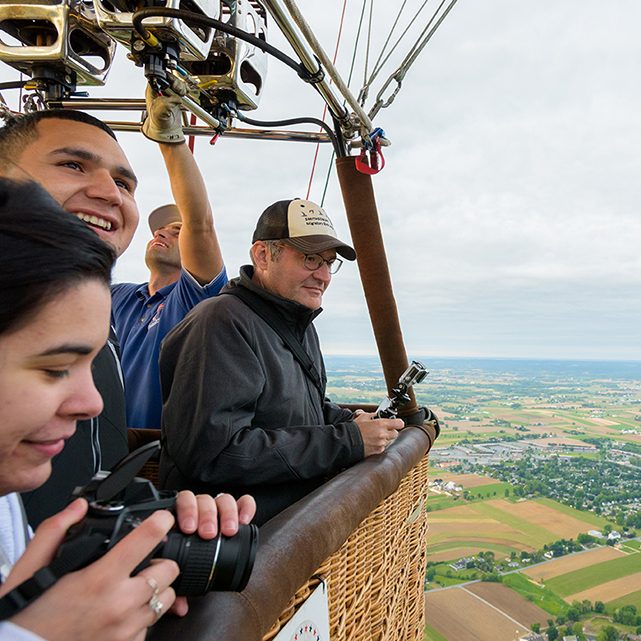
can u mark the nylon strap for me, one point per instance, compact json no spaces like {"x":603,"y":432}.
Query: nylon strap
{"x":276,"y":322}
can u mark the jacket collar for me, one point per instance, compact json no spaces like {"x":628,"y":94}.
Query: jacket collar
{"x":295,"y":313}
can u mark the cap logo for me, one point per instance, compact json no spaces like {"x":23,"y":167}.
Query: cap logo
{"x":304,"y":218}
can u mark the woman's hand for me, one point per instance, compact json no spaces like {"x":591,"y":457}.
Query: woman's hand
{"x":101,"y":602}
{"x":203,"y":513}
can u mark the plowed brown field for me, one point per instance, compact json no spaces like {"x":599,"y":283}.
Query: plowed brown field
{"x":510,"y":602}
{"x":450,"y":555}
{"x":460,"y":616}
{"x":560,"y":524}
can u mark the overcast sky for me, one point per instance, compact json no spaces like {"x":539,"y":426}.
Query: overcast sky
{"x":510,"y":200}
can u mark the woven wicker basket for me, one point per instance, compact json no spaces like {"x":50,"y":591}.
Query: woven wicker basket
{"x":376,"y":580}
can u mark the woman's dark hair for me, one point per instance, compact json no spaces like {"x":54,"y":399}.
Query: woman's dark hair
{"x":43,"y":251}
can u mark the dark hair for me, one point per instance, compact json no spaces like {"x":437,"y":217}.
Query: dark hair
{"x":20,"y":130}
{"x":43,"y":251}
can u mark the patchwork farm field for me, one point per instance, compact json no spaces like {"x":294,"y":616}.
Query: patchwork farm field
{"x":610,"y":590}
{"x":567,"y":564}
{"x":482,"y":621}
{"x":507,"y":526}
{"x":579,"y":581}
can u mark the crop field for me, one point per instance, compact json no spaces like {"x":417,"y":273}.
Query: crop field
{"x":566,"y":564}
{"x":525,"y":525}
{"x":587,"y":517}
{"x":482,"y":621}
{"x":536,"y":593}
{"x":543,"y":515}
{"x":509,"y":602}
{"x":464,"y":524}
{"x":595,"y":575}
{"x":629,"y":546}
{"x":634,"y":598}
{"x":610,"y":590}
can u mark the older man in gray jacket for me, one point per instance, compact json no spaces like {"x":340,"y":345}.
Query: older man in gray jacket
{"x":244,"y":381}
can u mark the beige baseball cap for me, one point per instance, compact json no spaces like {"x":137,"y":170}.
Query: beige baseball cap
{"x":162,"y":216}
{"x":303,"y":225}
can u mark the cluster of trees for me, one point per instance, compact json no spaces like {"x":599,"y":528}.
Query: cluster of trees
{"x":570,"y":624}
{"x":563,"y":546}
{"x":627,"y":615}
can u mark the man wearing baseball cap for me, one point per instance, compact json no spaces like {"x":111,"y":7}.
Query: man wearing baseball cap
{"x":186,"y":267}
{"x":243,"y":377}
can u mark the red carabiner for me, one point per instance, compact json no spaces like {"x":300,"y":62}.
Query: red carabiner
{"x":371,"y":165}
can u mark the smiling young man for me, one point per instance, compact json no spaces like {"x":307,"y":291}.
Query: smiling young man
{"x":240,"y":412}
{"x":78,"y":160}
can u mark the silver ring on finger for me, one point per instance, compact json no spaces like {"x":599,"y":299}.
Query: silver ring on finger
{"x":156,"y":605}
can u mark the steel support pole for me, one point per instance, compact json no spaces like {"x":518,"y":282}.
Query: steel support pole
{"x":365,"y":228}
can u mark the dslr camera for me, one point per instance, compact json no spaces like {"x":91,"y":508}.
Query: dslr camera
{"x":119,"y":502}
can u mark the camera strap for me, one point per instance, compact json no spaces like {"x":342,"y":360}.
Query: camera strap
{"x":21,"y":596}
{"x":28,"y":591}
{"x":265,"y":311}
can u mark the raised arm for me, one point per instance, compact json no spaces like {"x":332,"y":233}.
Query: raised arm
{"x":199,"y":248}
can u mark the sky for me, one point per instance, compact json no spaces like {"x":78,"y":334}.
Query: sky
{"x":509,"y":201}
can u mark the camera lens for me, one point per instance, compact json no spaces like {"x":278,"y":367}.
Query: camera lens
{"x":224,"y":563}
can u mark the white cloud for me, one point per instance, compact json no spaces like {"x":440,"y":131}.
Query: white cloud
{"x":510,"y":200}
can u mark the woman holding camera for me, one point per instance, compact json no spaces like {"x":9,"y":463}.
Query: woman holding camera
{"x":54,"y":318}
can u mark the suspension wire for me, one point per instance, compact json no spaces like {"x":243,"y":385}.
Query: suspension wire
{"x":389,"y":37}
{"x":365,"y":125}
{"x":367,"y":48}
{"x":338,"y":41}
{"x":399,"y":74}
{"x":411,"y":58}
{"x":349,"y":82}
{"x":379,"y":65}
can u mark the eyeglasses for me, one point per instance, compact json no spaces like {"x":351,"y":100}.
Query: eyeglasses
{"x":315,"y":261}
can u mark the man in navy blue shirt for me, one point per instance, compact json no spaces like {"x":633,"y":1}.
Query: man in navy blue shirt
{"x":185,"y":264}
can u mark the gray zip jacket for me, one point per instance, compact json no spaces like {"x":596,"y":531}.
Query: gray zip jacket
{"x":240,"y":415}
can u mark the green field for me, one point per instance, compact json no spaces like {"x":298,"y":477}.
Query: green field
{"x":539,"y":595}
{"x":432,"y":635}
{"x":634,"y":545}
{"x":446,"y":576}
{"x":489,"y":491}
{"x":437,"y":502}
{"x":594,"y":575}
{"x":629,"y":599}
